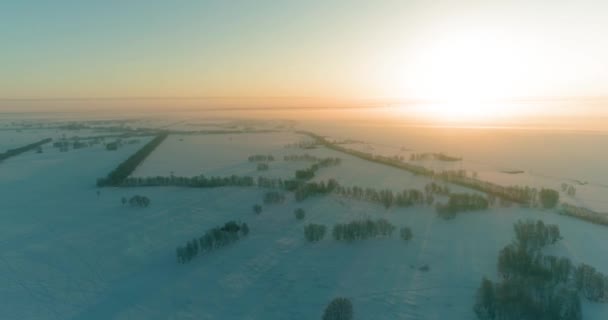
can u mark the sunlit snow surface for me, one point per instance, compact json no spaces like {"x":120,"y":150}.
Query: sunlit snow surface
{"x":67,"y":253}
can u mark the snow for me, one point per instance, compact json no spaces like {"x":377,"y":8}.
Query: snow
{"x":66,"y":253}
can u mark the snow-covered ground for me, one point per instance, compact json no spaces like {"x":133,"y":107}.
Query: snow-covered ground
{"x":547,"y":159}
{"x":67,"y":253}
{"x":223,"y":155}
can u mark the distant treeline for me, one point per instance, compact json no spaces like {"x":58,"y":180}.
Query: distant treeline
{"x":118,"y":175}
{"x":212,"y":239}
{"x":260,"y":158}
{"x":521,"y":195}
{"x":535,"y":286}
{"x":356,"y":230}
{"x":17,"y":151}
{"x":433,"y":156}
{"x":302,"y":157}
{"x":584,"y":214}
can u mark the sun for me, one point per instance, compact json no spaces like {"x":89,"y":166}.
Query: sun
{"x":467,"y":76}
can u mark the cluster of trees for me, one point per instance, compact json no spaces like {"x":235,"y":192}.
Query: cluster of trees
{"x":432,"y":156}
{"x":535,"y":286}
{"x":569,"y":189}
{"x":20,"y":150}
{"x":532,"y":286}
{"x":309,"y":173}
{"x":548,"y":198}
{"x":584,"y":214}
{"x":532,"y":235}
{"x":310,"y":189}
{"x":299,"y":213}
{"x":387,"y":198}
{"x":363,"y":229}
{"x":434,"y":188}
{"x":260,"y":158}
{"x":257,"y":209}
{"x":191,"y":182}
{"x":137,"y":201}
{"x":118,"y":175}
{"x":459,"y":202}
{"x":212,"y":239}
{"x":274,"y":197}
{"x":338,"y":309}
{"x":314,"y":232}
{"x":591,"y":283}
{"x":262,"y":166}
{"x":302,"y":157}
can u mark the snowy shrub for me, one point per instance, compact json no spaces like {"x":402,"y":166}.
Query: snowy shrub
{"x":406,"y":233}
{"x":139,"y":201}
{"x":299,"y":213}
{"x":338,"y":309}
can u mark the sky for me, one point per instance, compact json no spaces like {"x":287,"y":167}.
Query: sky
{"x":338,"y":50}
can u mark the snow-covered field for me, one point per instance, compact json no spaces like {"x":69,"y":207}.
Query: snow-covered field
{"x":223,"y":155}
{"x":548,"y":159}
{"x":68,"y":253}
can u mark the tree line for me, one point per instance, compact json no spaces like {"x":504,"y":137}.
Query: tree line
{"x":260,"y":158}
{"x":17,"y":151}
{"x":433,"y":156}
{"x":460,"y":202}
{"x":117,"y":176}
{"x":584,"y":214}
{"x":363,"y":229}
{"x":517,"y":194}
{"x":356,"y":230}
{"x":213,"y":239}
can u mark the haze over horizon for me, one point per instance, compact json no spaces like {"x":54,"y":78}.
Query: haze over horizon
{"x":461,"y":57}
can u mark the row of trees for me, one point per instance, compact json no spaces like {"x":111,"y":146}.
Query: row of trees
{"x":260,"y":158}
{"x":212,"y":239}
{"x":191,"y":182}
{"x":386,"y":197}
{"x":584,"y":214}
{"x":433,"y":156}
{"x":459,"y":202}
{"x":309,"y":173}
{"x":363,"y":229}
{"x":517,"y":194}
{"x":310,"y":189}
{"x":301,"y":157}
{"x":20,"y":150}
{"x":262,"y":166}
{"x":118,"y":175}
